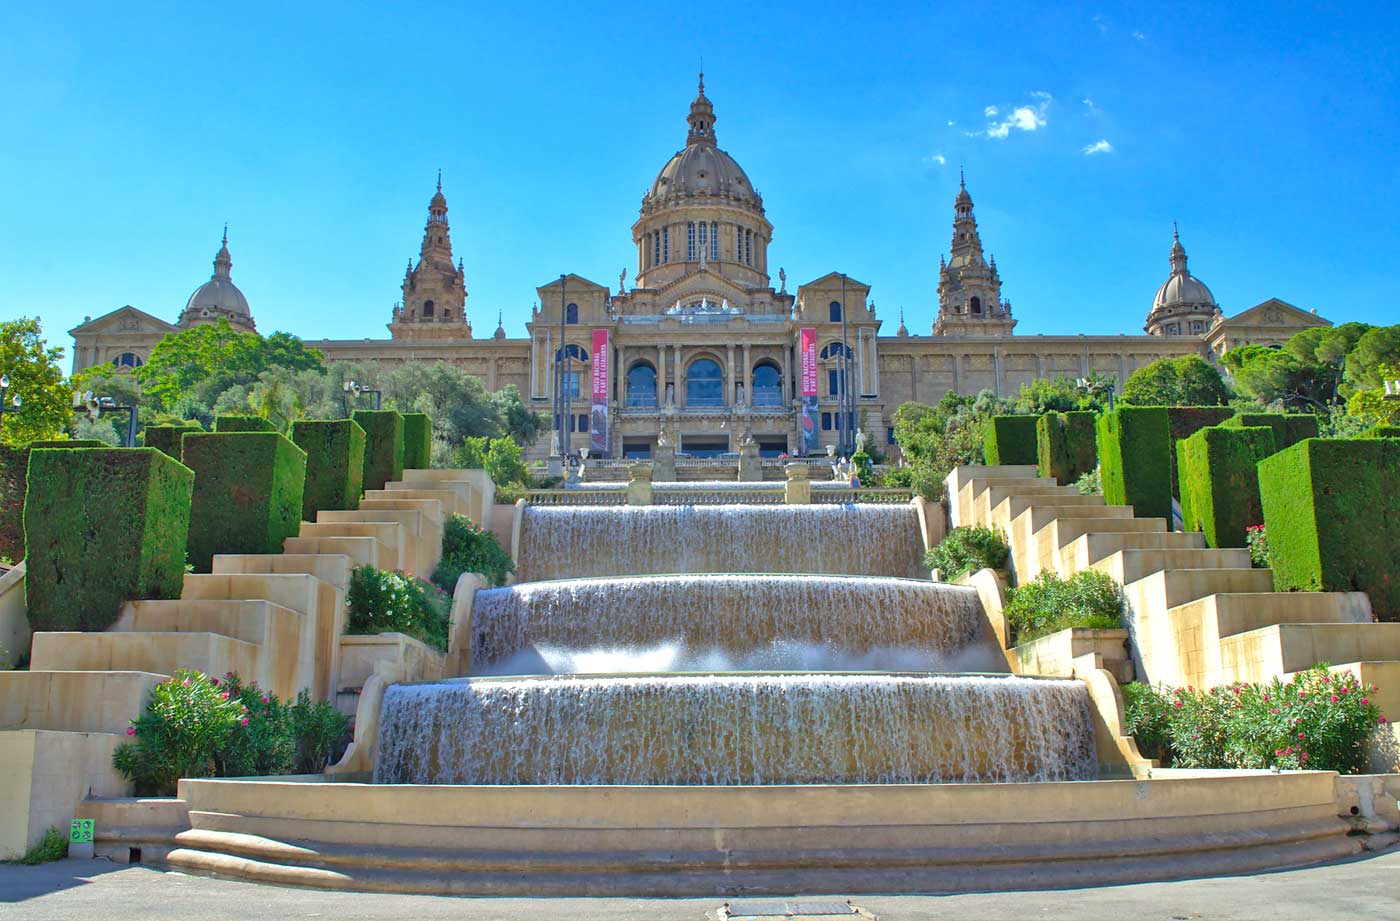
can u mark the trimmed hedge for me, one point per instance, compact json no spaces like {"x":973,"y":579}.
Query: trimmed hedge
{"x":1065,"y":446}
{"x":167,"y":437}
{"x":1135,"y":460}
{"x":417,"y":441}
{"x":104,"y":526}
{"x":383,"y":445}
{"x":1009,"y":440}
{"x":14,"y":464}
{"x":1289,"y":428}
{"x":1186,"y":421}
{"x":242,"y":423}
{"x":335,"y":464}
{"x":247,"y":493}
{"x":1330,"y":513}
{"x":1217,"y":467}
{"x":1382,"y":431}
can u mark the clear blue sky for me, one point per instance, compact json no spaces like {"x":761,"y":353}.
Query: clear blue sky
{"x":130,"y":132}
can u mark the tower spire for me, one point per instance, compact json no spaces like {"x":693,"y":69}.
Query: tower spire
{"x":439,"y":188}
{"x":701,"y":118}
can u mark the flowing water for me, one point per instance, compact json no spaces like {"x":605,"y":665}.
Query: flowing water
{"x":566,"y":542}
{"x":737,"y":729}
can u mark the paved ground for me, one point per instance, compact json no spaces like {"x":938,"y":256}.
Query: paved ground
{"x":1364,"y":888}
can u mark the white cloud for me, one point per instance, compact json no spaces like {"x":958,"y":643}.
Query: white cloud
{"x":940,"y":159}
{"x":1021,"y":118}
{"x":1139,"y":36}
{"x":1090,"y":103}
{"x":1098,"y":147}
{"x":951,"y":123}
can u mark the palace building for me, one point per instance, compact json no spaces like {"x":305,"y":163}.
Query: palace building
{"x":702,"y":351}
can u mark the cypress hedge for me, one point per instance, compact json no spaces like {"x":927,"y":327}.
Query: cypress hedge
{"x":1330,"y":515}
{"x":383,"y":445}
{"x":103,"y":526}
{"x":1065,"y":445}
{"x":1217,"y":467}
{"x":1289,"y":428}
{"x":235,"y":422}
{"x":417,"y":441}
{"x":1186,"y":421}
{"x":1135,"y":459}
{"x":14,"y":464}
{"x":1009,"y":440}
{"x":335,"y":464}
{"x":167,"y":437}
{"x":1382,"y":431}
{"x":247,"y":493}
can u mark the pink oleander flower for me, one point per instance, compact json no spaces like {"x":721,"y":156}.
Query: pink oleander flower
{"x":1335,"y":698}
{"x":243,"y":722}
{"x":264,"y":698}
{"x":1325,"y":679}
{"x":224,"y":695}
{"x":1177,"y":705}
{"x":1274,"y":710}
{"x":1305,"y":756}
{"x":1288,"y":750}
{"x":1365,"y":701}
{"x":1266,"y":697}
{"x":214,"y":682}
{"x":1381,"y":719}
{"x":1301,"y":736}
{"x":131,"y":730}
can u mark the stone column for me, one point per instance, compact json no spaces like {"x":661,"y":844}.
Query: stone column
{"x":661,"y":375}
{"x":798,"y":489}
{"x":729,"y":375}
{"x":676,"y":358}
{"x":746,"y":375}
{"x":639,"y":485}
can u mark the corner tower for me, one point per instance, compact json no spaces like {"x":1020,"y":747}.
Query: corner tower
{"x":434,"y":302}
{"x":969,"y":288}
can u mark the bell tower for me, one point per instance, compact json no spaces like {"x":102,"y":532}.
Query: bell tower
{"x":969,"y":288}
{"x":434,"y":304}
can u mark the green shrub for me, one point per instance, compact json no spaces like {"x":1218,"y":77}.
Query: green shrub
{"x":103,"y":526}
{"x":1147,"y":718}
{"x":510,"y":493}
{"x":247,"y":493}
{"x":1134,"y":460}
{"x":1257,"y":536}
{"x":467,"y":548}
{"x":381,"y":601}
{"x":1289,"y":428}
{"x":1383,"y":431}
{"x":1049,"y":604}
{"x":1220,"y":482}
{"x":320,"y":731}
{"x":1009,"y":440}
{"x":505,"y":463}
{"x":1330,"y":509}
{"x":262,"y":742}
{"x":383,"y":445}
{"x":242,"y":423}
{"x":1065,"y":447}
{"x":417,"y":441}
{"x":1089,"y":484}
{"x":472,"y":454}
{"x":1185,"y":421}
{"x":335,"y":464}
{"x":167,"y":438}
{"x":968,"y":549}
{"x":864,"y":468}
{"x":13,"y":464}
{"x":53,"y":846}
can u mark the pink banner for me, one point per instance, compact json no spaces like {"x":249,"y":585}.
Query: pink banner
{"x":598,"y":429}
{"x":809,"y":361}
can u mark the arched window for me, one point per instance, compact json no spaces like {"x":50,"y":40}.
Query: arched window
{"x":576,"y":352}
{"x":834,"y":351}
{"x":127,"y":360}
{"x":571,"y":314}
{"x":641,"y":385}
{"x":835,"y":311}
{"x":704,"y":383}
{"x":975,"y":305}
{"x":427,"y":308}
{"x":767,"y":384}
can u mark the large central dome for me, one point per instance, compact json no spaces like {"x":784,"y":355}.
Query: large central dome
{"x":701,"y":169}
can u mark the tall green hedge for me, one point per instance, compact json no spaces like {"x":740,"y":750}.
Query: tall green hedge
{"x":335,"y":464}
{"x":1065,"y":446}
{"x":14,"y":464}
{"x":1186,"y":421}
{"x":247,"y":493}
{"x":1009,"y":440}
{"x":103,"y":526}
{"x":1217,"y":467}
{"x":1382,"y":431}
{"x":417,"y":441}
{"x":1135,"y":459}
{"x":383,"y":445}
{"x":1330,"y":515}
{"x":236,"y":422}
{"x":1289,"y":428}
{"x":167,"y":437}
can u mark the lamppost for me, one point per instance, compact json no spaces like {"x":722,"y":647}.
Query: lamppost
{"x":1097,"y":387}
{"x":562,"y":406}
{"x":96,"y":406}
{"x":352,"y":387}
{"x":847,"y":397}
{"x":12,"y":405}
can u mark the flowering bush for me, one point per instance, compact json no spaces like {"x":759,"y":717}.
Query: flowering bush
{"x":467,"y":548}
{"x":968,"y":549}
{"x":1258,"y":541}
{"x":197,"y":726}
{"x":1317,"y":720}
{"x":383,"y":601}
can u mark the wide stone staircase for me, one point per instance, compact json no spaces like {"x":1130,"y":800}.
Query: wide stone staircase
{"x":277,"y":619}
{"x":1198,"y":617}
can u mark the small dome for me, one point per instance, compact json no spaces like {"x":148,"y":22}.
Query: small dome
{"x":218,"y":296}
{"x":1183,"y":290}
{"x":703,"y":170}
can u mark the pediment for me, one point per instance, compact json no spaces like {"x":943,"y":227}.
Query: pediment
{"x":126,"y":319}
{"x":1275,"y":312}
{"x":703,"y":283}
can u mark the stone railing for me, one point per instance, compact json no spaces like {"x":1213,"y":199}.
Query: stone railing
{"x":576,"y":496}
{"x":755,"y":495}
{"x":863,"y":495}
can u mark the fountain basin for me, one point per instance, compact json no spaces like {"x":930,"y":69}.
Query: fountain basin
{"x":727,"y":729}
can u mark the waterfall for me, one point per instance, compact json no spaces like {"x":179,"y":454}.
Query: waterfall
{"x":593,"y":541}
{"x":737,"y":729}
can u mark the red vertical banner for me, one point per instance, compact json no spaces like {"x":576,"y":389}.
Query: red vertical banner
{"x":598,"y":424}
{"x":807,"y":362}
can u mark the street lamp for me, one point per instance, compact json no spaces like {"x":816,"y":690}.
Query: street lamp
{"x":1098,"y":387}
{"x":96,"y":406}
{"x":351,"y":387}
{"x":1392,"y":391}
{"x":12,"y":405}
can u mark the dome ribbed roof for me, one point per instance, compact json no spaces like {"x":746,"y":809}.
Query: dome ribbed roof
{"x":1181,"y":289}
{"x":219,"y":293}
{"x":701,"y":168}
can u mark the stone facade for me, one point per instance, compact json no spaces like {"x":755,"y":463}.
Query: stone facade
{"x":704,"y":349}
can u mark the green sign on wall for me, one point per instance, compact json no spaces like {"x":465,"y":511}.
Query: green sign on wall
{"x":81,"y":832}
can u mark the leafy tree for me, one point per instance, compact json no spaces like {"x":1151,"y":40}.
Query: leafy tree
{"x":1185,"y":381}
{"x":46,"y":401}
{"x":1374,"y":349}
{"x":189,"y":370}
{"x":504,"y":462}
{"x":518,"y":420}
{"x":935,"y":439}
{"x":1046,"y":395}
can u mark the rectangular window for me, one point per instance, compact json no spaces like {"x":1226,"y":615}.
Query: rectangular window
{"x":714,"y":241}
{"x":655,"y":248}
{"x":738,"y":243}
{"x":703,"y":241}
{"x":665,"y":244}
{"x":833,"y":382}
{"x":690,"y":242}
{"x":748,"y":247}
{"x":571,"y":383}
{"x":583,"y":423}
{"x":826,"y":422}
{"x":889,"y":436}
